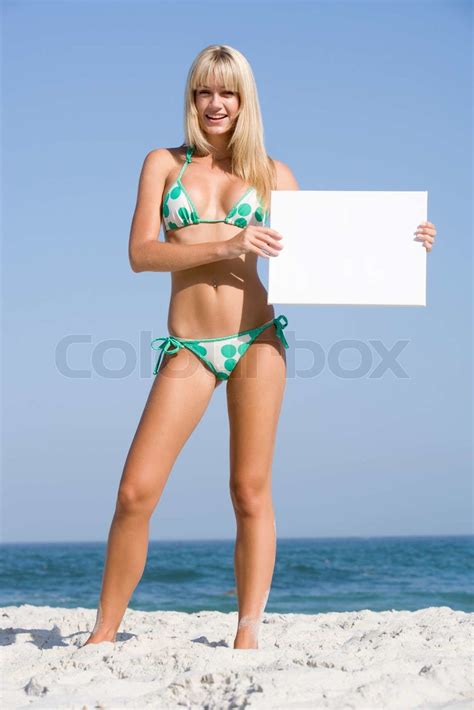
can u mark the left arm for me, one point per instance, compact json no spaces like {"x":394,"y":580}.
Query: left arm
{"x":426,"y":231}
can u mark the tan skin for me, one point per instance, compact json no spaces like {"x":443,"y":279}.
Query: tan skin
{"x":216,"y":291}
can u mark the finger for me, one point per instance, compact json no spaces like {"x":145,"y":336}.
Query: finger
{"x":270,"y":232}
{"x":425,"y":237}
{"x":263,"y":245}
{"x":263,"y":252}
{"x":425,"y":240}
{"x":265,"y":241}
{"x":427,"y":227}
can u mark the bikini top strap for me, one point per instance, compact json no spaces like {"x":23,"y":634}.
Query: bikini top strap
{"x":189,"y":153}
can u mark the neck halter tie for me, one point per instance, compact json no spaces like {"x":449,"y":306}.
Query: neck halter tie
{"x":166,"y":347}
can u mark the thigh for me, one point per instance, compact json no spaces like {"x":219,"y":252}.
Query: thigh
{"x":179,"y":396}
{"x":255,"y":392}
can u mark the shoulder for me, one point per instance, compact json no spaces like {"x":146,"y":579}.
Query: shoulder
{"x":285,"y":178}
{"x":163,"y":159}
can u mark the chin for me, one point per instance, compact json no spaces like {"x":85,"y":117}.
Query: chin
{"x":217,"y":131}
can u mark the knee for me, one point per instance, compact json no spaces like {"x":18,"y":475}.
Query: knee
{"x":131,"y":500}
{"x":248,"y":500}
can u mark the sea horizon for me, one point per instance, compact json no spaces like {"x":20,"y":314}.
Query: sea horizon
{"x":312,"y":574}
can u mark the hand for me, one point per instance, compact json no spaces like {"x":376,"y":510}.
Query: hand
{"x":259,"y":240}
{"x":426,"y":232}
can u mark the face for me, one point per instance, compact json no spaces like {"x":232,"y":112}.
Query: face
{"x":217,"y":108}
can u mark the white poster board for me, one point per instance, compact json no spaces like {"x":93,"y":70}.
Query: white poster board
{"x":348,"y":247}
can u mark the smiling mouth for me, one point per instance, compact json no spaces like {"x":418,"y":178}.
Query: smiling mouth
{"x":215,"y":119}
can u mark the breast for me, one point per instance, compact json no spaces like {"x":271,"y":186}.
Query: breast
{"x":179,"y":210}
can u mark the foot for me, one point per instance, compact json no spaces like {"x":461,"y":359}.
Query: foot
{"x":100,"y":637}
{"x":246,"y":638}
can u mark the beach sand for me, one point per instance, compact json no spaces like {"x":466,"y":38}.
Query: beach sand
{"x":166,"y":659}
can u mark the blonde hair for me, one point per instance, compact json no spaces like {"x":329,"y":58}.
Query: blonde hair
{"x":250,"y":161}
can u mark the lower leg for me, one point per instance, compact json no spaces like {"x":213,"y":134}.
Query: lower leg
{"x":126,"y":557}
{"x":254,"y":562}
{"x":182,"y":388}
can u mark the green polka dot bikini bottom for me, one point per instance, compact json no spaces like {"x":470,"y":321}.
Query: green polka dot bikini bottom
{"x":221,"y":355}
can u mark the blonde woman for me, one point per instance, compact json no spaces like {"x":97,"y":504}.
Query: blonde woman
{"x":212,"y":197}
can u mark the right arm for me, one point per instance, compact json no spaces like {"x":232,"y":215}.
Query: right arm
{"x":146,"y":252}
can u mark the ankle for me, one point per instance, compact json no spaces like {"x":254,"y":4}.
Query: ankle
{"x":247,"y":631}
{"x":246,"y":638}
{"x":104,"y":629}
{"x":101,"y":636}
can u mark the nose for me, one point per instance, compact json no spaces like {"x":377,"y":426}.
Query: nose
{"x":215,"y":100}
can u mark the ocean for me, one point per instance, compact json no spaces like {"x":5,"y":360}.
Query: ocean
{"x":312,"y":575}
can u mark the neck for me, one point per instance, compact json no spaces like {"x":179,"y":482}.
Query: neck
{"x":220,"y":147}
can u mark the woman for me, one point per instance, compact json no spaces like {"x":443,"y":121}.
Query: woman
{"x":212,"y":196}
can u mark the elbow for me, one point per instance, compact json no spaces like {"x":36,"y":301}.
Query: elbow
{"x":135,"y":264}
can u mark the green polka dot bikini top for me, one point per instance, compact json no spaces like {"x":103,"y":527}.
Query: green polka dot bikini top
{"x":179,"y":209}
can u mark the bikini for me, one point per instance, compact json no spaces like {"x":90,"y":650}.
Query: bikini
{"x":179,"y":209}
{"x":221,"y":355}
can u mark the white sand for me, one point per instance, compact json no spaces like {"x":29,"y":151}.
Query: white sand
{"x":391,"y":659}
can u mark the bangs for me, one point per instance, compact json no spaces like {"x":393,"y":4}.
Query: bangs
{"x":228,"y":69}
{"x":221,"y":69}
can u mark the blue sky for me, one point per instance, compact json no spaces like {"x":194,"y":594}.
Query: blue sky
{"x":354,"y":96}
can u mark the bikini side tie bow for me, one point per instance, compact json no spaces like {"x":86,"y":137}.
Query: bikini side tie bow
{"x":280,"y":323}
{"x":166,"y":347}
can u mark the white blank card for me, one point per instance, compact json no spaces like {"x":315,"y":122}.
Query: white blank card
{"x":348,"y":247}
